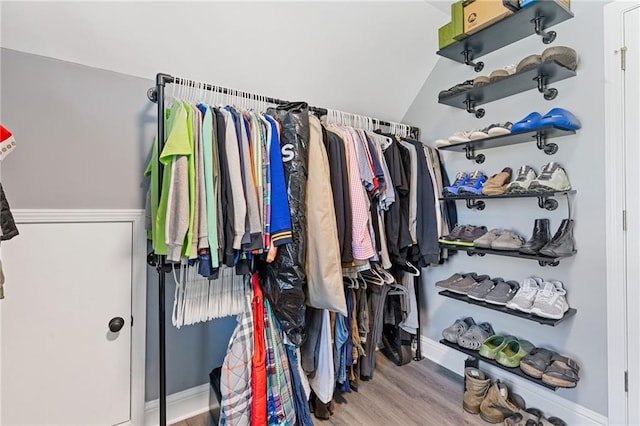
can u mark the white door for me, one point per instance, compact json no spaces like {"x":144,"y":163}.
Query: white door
{"x":60,"y":363}
{"x":632,"y":178}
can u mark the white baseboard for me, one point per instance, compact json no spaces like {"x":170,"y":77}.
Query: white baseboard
{"x":180,"y":405}
{"x":535,"y":396}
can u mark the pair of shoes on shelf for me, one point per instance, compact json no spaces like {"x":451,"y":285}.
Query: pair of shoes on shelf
{"x":552,"y":178}
{"x":467,"y":334}
{"x":499,"y":240}
{"x":495,"y":75}
{"x":553,"y":368}
{"x":561,"y":245}
{"x":546,"y":299}
{"x":556,"y":117}
{"x":506,"y":350}
{"x":477,"y":183}
{"x":565,"y":56}
{"x":496,"y":291}
{"x":492,"y":130}
{"x":460,"y":87}
{"x":463,"y":235}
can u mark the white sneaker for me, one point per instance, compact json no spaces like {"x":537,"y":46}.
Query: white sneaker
{"x":458,"y":137}
{"x":551,"y":301}
{"x":525,"y":176}
{"x":442,"y":142}
{"x":552,"y":178}
{"x":526,"y":296}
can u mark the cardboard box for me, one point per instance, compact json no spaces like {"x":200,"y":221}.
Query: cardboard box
{"x":457,"y":20}
{"x":482,"y":13}
{"x":445,"y":35}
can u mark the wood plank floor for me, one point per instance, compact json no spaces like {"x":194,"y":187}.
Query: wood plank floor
{"x":419,"y":393}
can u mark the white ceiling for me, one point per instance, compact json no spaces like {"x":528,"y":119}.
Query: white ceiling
{"x":365,"y":57}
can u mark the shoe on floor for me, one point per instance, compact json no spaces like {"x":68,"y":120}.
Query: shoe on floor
{"x":552,"y":178}
{"x":526,"y":295}
{"x":485,"y":240}
{"x":497,"y":184}
{"x":551,"y":301}
{"x":474,"y":185}
{"x":565,"y":56}
{"x":455,"y":330}
{"x":525,"y":176}
{"x":480,"y":291}
{"x":476,"y":386}
{"x":472,"y":338}
{"x":551,"y":421}
{"x":461,"y":179}
{"x":498,"y":404}
{"x":529,"y":62}
{"x":502,"y":293}
{"x":527,"y":417}
{"x":530,"y":122}
{"x":513,"y":352}
{"x":508,"y":240}
{"x":561,"y":119}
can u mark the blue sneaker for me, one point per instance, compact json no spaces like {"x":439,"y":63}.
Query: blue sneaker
{"x":474,"y":184}
{"x":461,"y":179}
{"x":530,"y":122}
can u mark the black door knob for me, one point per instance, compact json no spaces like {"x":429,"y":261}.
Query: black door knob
{"x":116,"y":324}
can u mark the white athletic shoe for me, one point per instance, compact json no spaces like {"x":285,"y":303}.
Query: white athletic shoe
{"x":552,"y":178}
{"x":525,"y":176}
{"x":551,"y":301}
{"x":526,"y":296}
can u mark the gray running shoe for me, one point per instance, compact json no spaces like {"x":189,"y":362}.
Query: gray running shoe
{"x":470,"y":234}
{"x":486,"y":240}
{"x":483,"y":288}
{"x":524,"y":298}
{"x":502,"y":293}
{"x":455,"y":330}
{"x":467,"y":283}
{"x":448,"y":281}
{"x":551,"y":301}
{"x":526,"y":175}
{"x":453,"y":235}
{"x":475,"y":335}
{"x":508,"y":240}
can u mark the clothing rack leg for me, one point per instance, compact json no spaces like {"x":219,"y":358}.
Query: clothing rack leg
{"x":416,"y":286}
{"x":160,"y":265}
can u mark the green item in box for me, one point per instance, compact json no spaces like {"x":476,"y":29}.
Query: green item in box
{"x":457,"y":20}
{"x":445,"y":35}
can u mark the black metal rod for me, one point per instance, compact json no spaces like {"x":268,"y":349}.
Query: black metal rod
{"x":417,"y":282}
{"x":162,"y":365}
{"x":210,"y":87}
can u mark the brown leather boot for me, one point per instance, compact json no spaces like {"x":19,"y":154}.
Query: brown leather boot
{"x":476,"y":388}
{"x":498,"y":404}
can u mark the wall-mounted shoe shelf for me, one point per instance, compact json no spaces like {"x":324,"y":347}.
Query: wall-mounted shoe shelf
{"x":539,"y":136}
{"x":542,"y":260}
{"x":529,"y":20}
{"x":545,"y":200}
{"x":512,"y":370}
{"x":545,"y":321}
{"x":540,"y":77}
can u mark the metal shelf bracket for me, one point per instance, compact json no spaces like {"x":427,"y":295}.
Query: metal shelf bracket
{"x":471,"y":108}
{"x":547,"y":37}
{"x":477,"y":67}
{"x":547,"y":203}
{"x":475,"y":204}
{"x":541,"y":143}
{"x":469,"y":152}
{"x":549,"y":93}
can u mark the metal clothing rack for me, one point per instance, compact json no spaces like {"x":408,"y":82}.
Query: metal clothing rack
{"x":156,"y":94}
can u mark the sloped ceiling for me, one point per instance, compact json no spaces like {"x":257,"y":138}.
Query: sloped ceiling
{"x":365,"y":57}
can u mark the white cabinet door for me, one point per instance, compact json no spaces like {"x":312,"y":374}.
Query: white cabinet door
{"x":60,"y":363}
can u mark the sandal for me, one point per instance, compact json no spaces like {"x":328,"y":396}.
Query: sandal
{"x":536,"y":362}
{"x":473,"y":338}
{"x":455,"y":330}
{"x":563,"y":372}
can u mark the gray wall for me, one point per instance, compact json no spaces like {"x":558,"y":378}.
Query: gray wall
{"x":583,"y":337}
{"x":84,"y":137}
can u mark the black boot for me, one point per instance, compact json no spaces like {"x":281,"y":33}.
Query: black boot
{"x":541,"y":236}
{"x":562,"y":244}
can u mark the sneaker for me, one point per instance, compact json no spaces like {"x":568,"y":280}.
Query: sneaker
{"x":502,"y":293}
{"x":460,"y":87}
{"x":508,"y":240}
{"x":502,"y":73}
{"x":486,"y":240}
{"x":480,"y":291}
{"x":455,"y":330}
{"x":500,"y":129}
{"x":497,"y":184}
{"x":464,"y":285}
{"x":453,"y":235}
{"x":442,"y":142}
{"x":551,"y":301}
{"x":446,"y":283}
{"x":459,"y":137}
{"x":526,"y":175}
{"x":461,"y":179}
{"x":552,"y":178}
{"x":524,"y":298}
{"x":470,"y":234}
{"x":474,"y":184}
